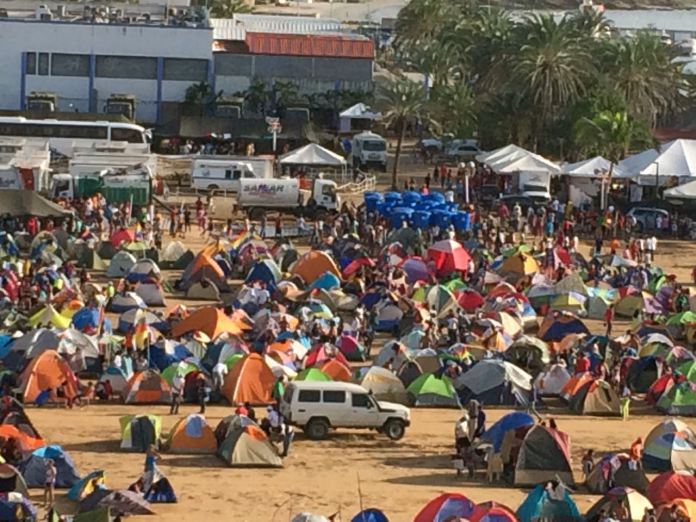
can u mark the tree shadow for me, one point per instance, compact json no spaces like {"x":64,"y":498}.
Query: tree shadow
{"x":96,"y":446}
{"x":192,"y":461}
{"x":420,"y":462}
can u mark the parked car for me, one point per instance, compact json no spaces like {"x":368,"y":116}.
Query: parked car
{"x":526,"y":199}
{"x":463,"y":151}
{"x":317,"y":407}
{"x":487,"y":194}
{"x":646,"y":217}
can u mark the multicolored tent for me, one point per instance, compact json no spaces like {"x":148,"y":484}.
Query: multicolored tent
{"x":540,"y":505}
{"x":139,"y":432}
{"x":670,"y":446}
{"x":384,"y":385}
{"x":250,"y":380}
{"x":510,"y":421}
{"x":595,"y":397}
{"x":544,"y":456}
{"x":47,"y":371}
{"x":449,"y":256}
{"x":211,"y":321}
{"x":313,"y":264}
{"x":634,"y":503}
{"x":672,"y":485}
{"x":33,"y":468}
{"x":192,"y":434}
{"x":148,"y":387}
{"x":616,"y":470}
{"x":448,"y":506}
{"x":245,"y":444}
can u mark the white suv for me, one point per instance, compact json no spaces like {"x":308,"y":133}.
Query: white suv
{"x":319,"y":406}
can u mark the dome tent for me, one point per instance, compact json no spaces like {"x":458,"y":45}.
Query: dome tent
{"x":245,"y":444}
{"x":34,"y":468}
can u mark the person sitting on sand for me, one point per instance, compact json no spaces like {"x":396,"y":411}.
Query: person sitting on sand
{"x":587,"y":464}
{"x":103,"y":391}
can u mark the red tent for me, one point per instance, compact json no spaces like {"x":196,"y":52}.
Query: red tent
{"x":449,"y":256}
{"x":318,"y":356}
{"x":449,"y":506}
{"x":356,"y":265}
{"x":671,"y":485}
{"x":122,"y":235}
{"x":470,"y":300}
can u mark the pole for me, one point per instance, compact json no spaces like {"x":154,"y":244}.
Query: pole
{"x":657,"y":180}
{"x":275,"y":136}
{"x":466,"y":187}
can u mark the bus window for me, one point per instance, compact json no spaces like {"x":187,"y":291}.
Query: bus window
{"x":129,"y":135}
{"x":237,"y":174}
{"x":228,"y":174}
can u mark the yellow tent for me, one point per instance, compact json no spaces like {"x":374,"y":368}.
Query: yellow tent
{"x":520,"y":263}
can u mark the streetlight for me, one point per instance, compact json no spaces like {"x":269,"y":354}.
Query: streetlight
{"x":657,"y":179}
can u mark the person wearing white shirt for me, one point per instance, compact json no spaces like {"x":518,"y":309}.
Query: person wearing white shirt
{"x":219,"y":372}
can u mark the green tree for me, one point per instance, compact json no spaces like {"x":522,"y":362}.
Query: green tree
{"x":201,"y":96}
{"x":256,"y":96}
{"x":282,"y":95}
{"x":454,"y":106}
{"x":612,"y":135}
{"x":642,"y":69}
{"x":552,"y":69}
{"x":227,"y":8}
{"x":401,"y":101}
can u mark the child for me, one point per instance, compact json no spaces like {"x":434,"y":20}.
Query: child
{"x":50,"y":483}
{"x":587,"y":463}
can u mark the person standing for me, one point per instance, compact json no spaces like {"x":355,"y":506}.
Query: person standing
{"x":609,"y":319}
{"x":178,"y":383}
{"x":201,"y":393}
{"x":50,"y":483}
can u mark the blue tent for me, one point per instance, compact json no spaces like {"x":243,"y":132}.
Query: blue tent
{"x":160,"y":358}
{"x":539,"y":504}
{"x":161,"y":492}
{"x":266,"y":271}
{"x":563,"y":326}
{"x":370,"y":515}
{"x":86,"y":485}
{"x":33,"y":469}
{"x":85,"y":318}
{"x":512,"y":421}
{"x":22,"y":510}
{"x":326,"y":281}
{"x":5,"y":345}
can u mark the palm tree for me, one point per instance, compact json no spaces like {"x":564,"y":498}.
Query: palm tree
{"x":283,"y":94}
{"x":641,"y":68}
{"x":401,"y":101}
{"x":201,"y":96}
{"x":552,"y":69}
{"x":227,"y":8}
{"x":455,"y":108}
{"x":612,"y":135}
{"x":256,"y":96}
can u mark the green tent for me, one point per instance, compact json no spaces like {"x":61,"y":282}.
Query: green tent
{"x":102,"y":514}
{"x":430,"y":390}
{"x":313,"y":374}
{"x":180,"y":368}
{"x":688,"y":370}
{"x":455,"y":284}
{"x":682,"y":318}
{"x":680,"y":399}
{"x":440,"y":299}
{"x":232,"y":360}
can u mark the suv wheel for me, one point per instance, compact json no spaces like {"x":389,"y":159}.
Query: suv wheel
{"x":317,"y":429}
{"x":395,"y":429}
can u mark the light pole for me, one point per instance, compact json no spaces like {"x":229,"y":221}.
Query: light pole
{"x":657,"y":179}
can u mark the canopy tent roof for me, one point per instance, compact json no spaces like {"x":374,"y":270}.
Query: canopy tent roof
{"x":360,"y":111}
{"x":312,"y":154}
{"x":20,"y":203}
{"x":593,"y":168}
{"x":497,"y":154}
{"x":529,"y":163}
{"x":685,"y":191}
{"x":675,"y":158}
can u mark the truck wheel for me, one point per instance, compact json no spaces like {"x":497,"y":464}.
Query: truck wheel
{"x":317,"y":429}
{"x":395,"y":429}
{"x":256,"y":214}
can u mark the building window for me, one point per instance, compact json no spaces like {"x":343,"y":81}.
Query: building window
{"x":43,"y":64}
{"x":184,"y":69}
{"x":69,"y":65}
{"x":31,"y":63}
{"x":131,"y":67}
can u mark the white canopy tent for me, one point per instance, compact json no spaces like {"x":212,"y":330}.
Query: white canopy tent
{"x":497,"y":154}
{"x":359,"y":111}
{"x":673,"y":159}
{"x":685,"y":191}
{"x":593,"y":168}
{"x":314,"y":157}
{"x":530,"y":163}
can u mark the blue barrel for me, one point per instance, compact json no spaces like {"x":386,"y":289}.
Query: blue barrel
{"x":371,"y":200}
{"x":399,"y":215}
{"x":453,"y":207}
{"x":460,"y":220}
{"x":437,"y":197}
{"x":421,"y":219}
{"x":441,"y":218}
{"x":383,"y":208}
{"x":392,"y":197}
{"x":425,"y":206}
{"x":410,"y":197}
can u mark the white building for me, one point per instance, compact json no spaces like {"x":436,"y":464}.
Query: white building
{"x":84,"y":63}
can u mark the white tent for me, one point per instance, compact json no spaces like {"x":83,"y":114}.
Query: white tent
{"x":530,"y":163}
{"x":497,"y":154}
{"x":685,"y":191}
{"x":359,"y":111}
{"x":592,"y":168}
{"x":313,"y":155}
{"x":674,"y":159}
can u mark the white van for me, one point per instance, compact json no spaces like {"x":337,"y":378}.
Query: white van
{"x":369,"y":151}
{"x":209,"y":174}
{"x":317,"y":407}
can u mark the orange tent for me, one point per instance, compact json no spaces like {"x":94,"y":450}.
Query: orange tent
{"x":47,"y":371}
{"x":24,"y":442}
{"x":574,"y":384}
{"x":685,"y":507}
{"x":192,"y":434}
{"x":250,"y":380}
{"x":313,"y":264}
{"x":203,"y":267}
{"x":147,"y":387}
{"x":336,"y":370}
{"x":209,"y":320}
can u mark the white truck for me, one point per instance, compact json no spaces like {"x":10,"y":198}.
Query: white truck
{"x":317,"y":407}
{"x":286,"y":195}
{"x":225,"y":174}
{"x":131,"y":184}
{"x":369,"y":150}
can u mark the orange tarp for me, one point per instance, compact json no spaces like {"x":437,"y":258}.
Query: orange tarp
{"x":47,"y":371}
{"x":313,"y":264}
{"x":209,"y":320}
{"x":575,"y":383}
{"x":202,"y":261}
{"x":24,"y":441}
{"x":250,"y":380}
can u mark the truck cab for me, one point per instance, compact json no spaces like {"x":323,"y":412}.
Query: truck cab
{"x":42,"y":102}
{"x":325,"y":195}
{"x":123,"y":104}
{"x":369,"y":151}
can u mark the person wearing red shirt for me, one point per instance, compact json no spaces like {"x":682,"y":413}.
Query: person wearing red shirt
{"x":609,"y":319}
{"x":582,"y":364}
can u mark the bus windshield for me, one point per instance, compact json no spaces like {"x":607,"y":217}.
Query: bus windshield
{"x":374,"y":146}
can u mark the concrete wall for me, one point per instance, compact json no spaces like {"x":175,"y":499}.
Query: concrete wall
{"x":18,"y":37}
{"x":234,"y":72}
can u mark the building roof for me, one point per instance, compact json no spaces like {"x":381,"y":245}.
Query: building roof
{"x":333,"y":45}
{"x":236,"y":28}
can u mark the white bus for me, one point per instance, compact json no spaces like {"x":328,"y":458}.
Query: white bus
{"x":64,"y":135}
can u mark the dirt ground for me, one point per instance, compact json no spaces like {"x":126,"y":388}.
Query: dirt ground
{"x":338,"y":475}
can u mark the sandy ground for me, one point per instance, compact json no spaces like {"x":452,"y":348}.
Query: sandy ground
{"x":330,"y":476}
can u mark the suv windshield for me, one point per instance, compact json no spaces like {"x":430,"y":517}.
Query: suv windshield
{"x":374,"y":146}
